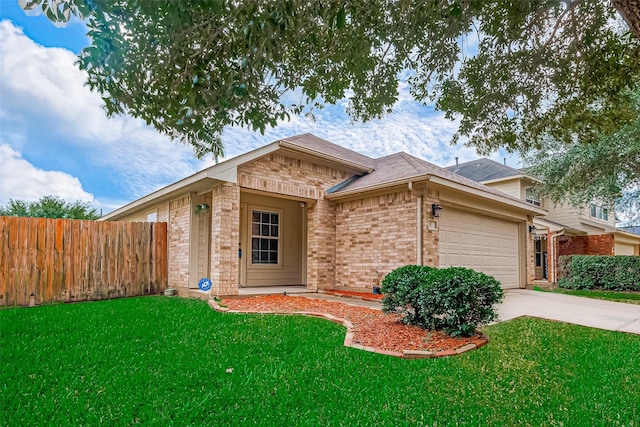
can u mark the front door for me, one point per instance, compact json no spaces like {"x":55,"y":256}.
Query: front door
{"x":540,"y":245}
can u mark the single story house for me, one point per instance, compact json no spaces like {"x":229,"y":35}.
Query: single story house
{"x":303,"y":210}
{"x":564,"y":230}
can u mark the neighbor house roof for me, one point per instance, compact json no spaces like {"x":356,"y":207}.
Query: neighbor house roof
{"x":485,"y":170}
{"x":633,"y":229}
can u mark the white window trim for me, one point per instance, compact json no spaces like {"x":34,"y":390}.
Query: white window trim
{"x":269,"y":210}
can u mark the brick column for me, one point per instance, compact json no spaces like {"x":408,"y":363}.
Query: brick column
{"x":321,"y":244}
{"x":225,"y":235}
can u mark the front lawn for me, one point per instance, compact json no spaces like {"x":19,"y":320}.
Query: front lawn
{"x":617,"y":296}
{"x":162,"y":361}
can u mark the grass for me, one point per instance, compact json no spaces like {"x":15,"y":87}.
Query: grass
{"x":170,"y":361}
{"x":618,"y":296}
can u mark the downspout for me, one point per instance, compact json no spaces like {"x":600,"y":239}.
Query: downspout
{"x":418,"y":226}
{"x":554,"y":268}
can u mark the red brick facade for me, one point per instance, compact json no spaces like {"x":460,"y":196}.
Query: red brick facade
{"x":600,"y":244}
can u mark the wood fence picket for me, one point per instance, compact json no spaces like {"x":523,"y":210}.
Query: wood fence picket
{"x":63,"y":260}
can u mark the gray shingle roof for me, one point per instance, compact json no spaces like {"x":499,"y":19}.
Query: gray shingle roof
{"x":402,"y":166}
{"x":313,"y":143}
{"x":484,"y":169}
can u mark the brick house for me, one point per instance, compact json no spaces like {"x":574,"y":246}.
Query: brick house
{"x":302,"y":210}
{"x":564,"y":230}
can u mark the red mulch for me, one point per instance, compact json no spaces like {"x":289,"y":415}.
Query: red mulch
{"x":361,"y":295}
{"x":371,"y":328}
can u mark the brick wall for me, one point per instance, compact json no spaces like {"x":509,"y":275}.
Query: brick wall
{"x":225,"y":235}
{"x":601,"y":244}
{"x":374,"y":236}
{"x":178,"y":242}
{"x":279,"y":174}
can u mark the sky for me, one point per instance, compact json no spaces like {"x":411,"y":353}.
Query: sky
{"x":55,"y":138}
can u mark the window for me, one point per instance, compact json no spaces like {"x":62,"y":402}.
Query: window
{"x":265,"y":233}
{"x":152,"y":217}
{"x":599,"y":212}
{"x":530,"y":196}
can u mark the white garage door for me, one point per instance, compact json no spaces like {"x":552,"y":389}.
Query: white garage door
{"x":624,"y":249}
{"x":482,"y":243}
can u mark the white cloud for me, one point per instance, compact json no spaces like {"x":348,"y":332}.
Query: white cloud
{"x":49,"y":109}
{"x":20,"y":180}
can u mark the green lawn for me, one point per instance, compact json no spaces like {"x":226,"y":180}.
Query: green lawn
{"x":170,"y":361}
{"x":618,"y":296}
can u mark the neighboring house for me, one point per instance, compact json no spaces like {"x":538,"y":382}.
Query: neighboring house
{"x":564,"y":230}
{"x":302,"y":210}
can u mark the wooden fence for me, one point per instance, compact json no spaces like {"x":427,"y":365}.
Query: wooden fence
{"x":62,"y":260}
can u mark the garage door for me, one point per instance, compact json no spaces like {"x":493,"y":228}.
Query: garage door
{"x":624,"y":249}
{"x":482,"y":243}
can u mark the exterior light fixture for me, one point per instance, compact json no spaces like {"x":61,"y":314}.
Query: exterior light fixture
{"x":201,"y":208}
{"x":532,"y":229}
{"x":436,"y":210}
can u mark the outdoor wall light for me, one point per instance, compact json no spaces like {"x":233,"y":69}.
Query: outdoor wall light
{"x":532,"y":229}
{"x":201,"y":208}
{"x":436,"y":210}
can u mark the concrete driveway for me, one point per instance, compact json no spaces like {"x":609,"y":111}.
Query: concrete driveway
{"x":614,"y":316}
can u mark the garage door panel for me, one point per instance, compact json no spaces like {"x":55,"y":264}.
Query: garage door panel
{"x":482,"y":243}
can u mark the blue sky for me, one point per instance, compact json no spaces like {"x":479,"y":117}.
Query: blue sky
{"x":56,"y":139}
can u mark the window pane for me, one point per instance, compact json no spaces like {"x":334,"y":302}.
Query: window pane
{"x":274,"y":218}
{"x":255,"y":257}
{"x":605,"y":214}
{"x":255,"y":244}
{"x":265,"y":217}
{"x":265,"y":230}
{"x":273,"y":257}
{"x":273,"y":245}
{"x":255,"y":216}
{"x":255,"y":229}
{"x":264,"y":257}
{"x":593,"y":210}
{"x":274,"y":230}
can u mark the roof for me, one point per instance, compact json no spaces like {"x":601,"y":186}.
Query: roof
{"x":484,"y":169}
{"x":368,"y":173}
{"x":314,"y":145}
{"x":402,"y":167}
{"x":633,"y":229}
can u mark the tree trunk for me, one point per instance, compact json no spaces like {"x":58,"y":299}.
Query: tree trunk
{"x":630,"y":12}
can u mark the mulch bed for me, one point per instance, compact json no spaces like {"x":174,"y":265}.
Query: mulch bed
{"x":354,"y":294}
{"x":371,"y":328}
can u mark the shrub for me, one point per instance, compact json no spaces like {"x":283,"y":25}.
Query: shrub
{"x":615,"y":273}
{"x":457,"y":300}
{"x":399,"y":289}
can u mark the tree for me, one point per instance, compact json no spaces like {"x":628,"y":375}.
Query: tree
{"x":559,"y":69}
{"x":50,"y":207}
{"x":606,"y":170}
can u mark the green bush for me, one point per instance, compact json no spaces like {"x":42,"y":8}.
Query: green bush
{"x":615,"y":273}
{"x":455,"y":300}
{"x":399,"y":289}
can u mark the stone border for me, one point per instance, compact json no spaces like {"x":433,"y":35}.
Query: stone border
{"x":348,"y":339}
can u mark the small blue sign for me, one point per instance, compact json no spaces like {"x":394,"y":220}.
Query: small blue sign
{"x":205,"y":284}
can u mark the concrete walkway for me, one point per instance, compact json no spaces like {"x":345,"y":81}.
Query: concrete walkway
{"x":614,"y":316}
